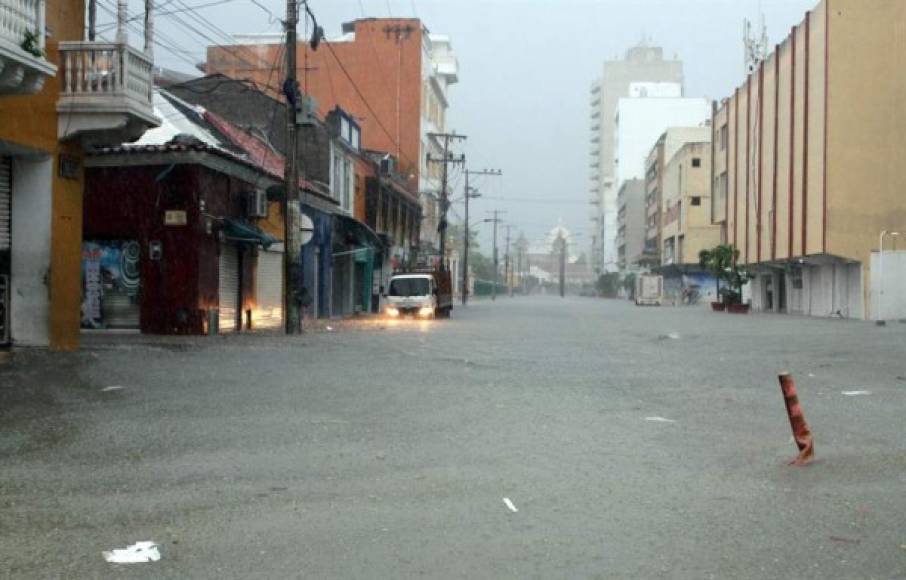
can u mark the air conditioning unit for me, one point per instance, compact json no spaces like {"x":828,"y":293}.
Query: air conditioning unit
{"x":388,"y":165}
{"x":257,"y":204}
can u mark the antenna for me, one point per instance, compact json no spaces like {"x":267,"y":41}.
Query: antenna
{"x":755,"y":49}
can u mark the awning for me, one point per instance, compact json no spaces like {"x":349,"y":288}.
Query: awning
{"x":360,"y":233}
{"x":237,"y":230}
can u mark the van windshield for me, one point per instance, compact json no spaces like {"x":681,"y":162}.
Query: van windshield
{"x":409,"y":287}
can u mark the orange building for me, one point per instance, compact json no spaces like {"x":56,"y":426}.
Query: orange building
{"x":390,"y":74}
{"x":59,"y":95}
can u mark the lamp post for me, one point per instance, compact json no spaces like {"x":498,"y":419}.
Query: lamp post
{"x":880,"y":321}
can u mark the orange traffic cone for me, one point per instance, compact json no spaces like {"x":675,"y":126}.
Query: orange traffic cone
{"x":801,"y":433}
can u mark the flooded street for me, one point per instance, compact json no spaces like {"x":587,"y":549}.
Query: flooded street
{"x":527,"y":438}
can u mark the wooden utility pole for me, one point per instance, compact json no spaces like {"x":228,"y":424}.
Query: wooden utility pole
{"x":447,"y":159}
{"x":506,"y":262}
{"x":292,"y":251}
{"x":495,"y":220}
{"x":470,"y":193}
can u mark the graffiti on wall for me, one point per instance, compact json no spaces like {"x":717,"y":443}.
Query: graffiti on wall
{"x":110,"y":284}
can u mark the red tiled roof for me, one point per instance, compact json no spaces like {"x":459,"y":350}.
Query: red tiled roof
{"x":259,"y":152}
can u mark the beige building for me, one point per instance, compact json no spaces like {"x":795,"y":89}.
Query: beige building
{"x":630,"y":224}
{"x":686,"y":224}
{"x":808,"y":163}
{"x":655,"y":166}
{"x":640,"y":64}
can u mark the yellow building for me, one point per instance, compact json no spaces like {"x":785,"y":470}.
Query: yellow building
{"x":807,"y":162}
{"x":686,"y":223}
{"x":59,"y":94}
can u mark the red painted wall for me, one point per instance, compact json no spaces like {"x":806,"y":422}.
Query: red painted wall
{"x":128,"y":203}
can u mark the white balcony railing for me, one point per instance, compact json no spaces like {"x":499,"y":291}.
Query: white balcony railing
{"x":100,"y":79}
{"x":21,"y":17}
{"x":23,"y":67}
{"x":98,"y":69}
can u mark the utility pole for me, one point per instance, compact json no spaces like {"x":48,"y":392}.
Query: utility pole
{"x":470,"y":193}
{"x":447,"y":159}
{"x":562,"y":241}
{"x":292,"y":265}
{"x":495,"y":220}
{"x":506,"y":262}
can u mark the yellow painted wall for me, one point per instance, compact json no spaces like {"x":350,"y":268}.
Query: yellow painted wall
{"x":31,"y":120}
{"x":739,"y":236}
{"x":867,"y":126}
{"x":798,"y":136}
{"x":769,"y":109}
{"x":273,"y":223}
{"x":815,"y":214}
{"x":719,"y":201}
{"x":783,"y":250}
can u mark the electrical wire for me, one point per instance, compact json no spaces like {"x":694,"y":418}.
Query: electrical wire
{"x":361,"y":96}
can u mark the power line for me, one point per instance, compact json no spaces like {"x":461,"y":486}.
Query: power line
{"x":361,"y":96}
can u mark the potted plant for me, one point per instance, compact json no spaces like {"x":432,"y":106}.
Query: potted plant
{"x":720,"y":261}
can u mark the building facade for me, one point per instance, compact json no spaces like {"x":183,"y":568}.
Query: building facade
{"x":631,"y":224}
{"x":655,"y":167}
{"x":640,"y":64}
{"x":687,"y":227}
{"x":806,"y":173}
{"x":639,"y":121}
{"x":54,"y":107}
{"x":398,"y":82}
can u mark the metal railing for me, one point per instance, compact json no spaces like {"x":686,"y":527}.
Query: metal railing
{"x":18,"y":17}
{"x":105,"y":69}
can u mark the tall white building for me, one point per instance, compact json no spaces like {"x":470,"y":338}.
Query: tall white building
{"x":639,"y":121}
{"x":641,"y":63}
{"x":440,"y":70}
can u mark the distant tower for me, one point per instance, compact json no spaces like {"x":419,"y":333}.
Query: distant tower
{"x":755,"y":50}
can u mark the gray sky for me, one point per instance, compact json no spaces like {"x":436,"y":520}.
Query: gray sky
{"x":525,"y":71}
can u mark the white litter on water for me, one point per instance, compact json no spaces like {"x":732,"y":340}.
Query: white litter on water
{"x":811,"y":375}
{"x":137,"y":553}
{"x":510,"y":505}
{"x":659,"y":420}
{"x":330,"y":329}
{"x":112,"y":388}
{"x":855,"y":393}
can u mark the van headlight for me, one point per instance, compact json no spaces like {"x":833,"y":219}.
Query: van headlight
{"x":392,"y":311}
{"x":425,"y":311}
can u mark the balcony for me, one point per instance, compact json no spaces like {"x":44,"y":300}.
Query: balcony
{"x":106,"y":93}
{"x":23,"y":68}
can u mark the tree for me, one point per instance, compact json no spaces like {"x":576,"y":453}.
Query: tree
{"x":608,"y":284}
{"x":721,"y":262}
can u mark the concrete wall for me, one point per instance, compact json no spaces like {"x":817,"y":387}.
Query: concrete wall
{"x":893,"y":302}
{"x":30,"y":267}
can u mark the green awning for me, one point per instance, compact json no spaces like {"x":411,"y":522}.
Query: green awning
{"x":242,"y":231}
{"x":361,"y":233}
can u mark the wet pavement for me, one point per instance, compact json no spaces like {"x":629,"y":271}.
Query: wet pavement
{"x":630,"y":443}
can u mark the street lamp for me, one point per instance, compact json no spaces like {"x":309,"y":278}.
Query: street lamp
{"x":880,"y":321}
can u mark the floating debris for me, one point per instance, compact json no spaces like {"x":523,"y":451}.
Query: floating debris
{"x":137,"y":553}
{"x":510,"y":505}
{"x":659,"y":420}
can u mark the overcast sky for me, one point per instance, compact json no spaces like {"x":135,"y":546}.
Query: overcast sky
{"x":525,"y":71}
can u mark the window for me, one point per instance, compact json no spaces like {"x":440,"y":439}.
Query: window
{"x":696,"y":162}
{"x":696,"y":200}
{"x":724,"y":136}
